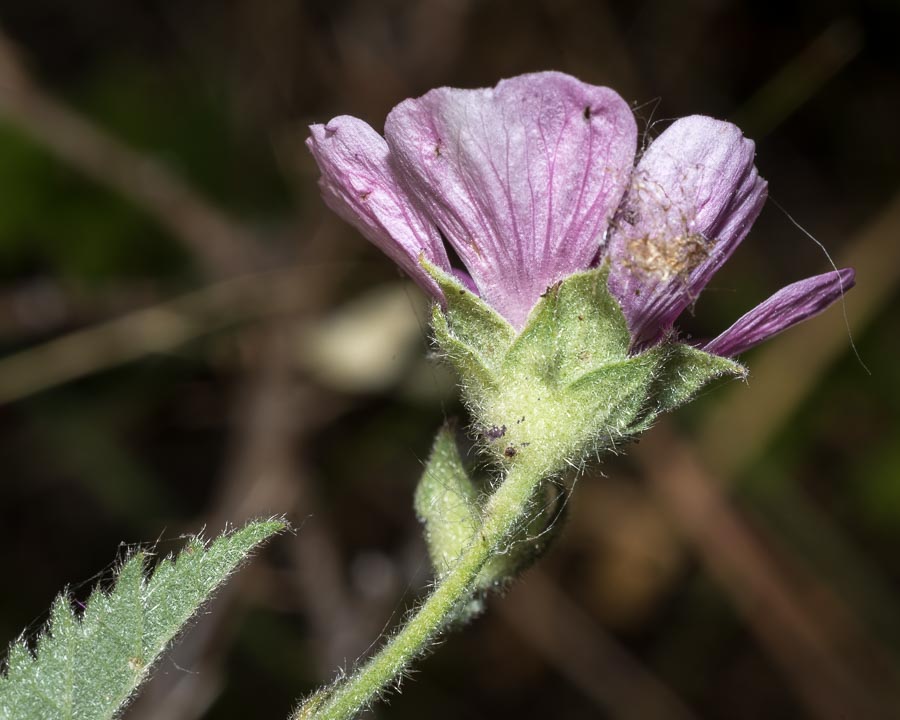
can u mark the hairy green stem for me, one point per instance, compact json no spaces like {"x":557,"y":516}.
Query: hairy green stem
{"x":506,"y":509}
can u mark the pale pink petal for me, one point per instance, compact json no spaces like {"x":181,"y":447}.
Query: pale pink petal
{"x":359,"y":185}
{"x":522,"y":179}
{"x":787,"y":307}
{"x":465,"y":280}
{"x":694,"y":195}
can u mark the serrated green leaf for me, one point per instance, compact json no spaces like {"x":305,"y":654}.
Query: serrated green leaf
{"x":87,"y":668}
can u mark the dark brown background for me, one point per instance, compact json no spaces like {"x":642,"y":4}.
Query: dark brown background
{"x":740,"y":562}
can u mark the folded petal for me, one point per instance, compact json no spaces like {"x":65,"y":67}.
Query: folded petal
{"x":787,"y":307}
{"x":522,"y":179}
{"x":693,"y":197}
{"x":359,"y":185}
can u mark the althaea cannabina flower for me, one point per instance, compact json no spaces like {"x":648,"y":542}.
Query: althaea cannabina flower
{"x":535,"y":179}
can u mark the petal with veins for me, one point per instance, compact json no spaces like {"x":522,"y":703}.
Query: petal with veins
{"x":522,"y":179}
{"x":693,"y":197}
{"x":787,"y":307}
{"x":359,"y":185}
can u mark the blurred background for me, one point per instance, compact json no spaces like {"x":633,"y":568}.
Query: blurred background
{"x":188,"y":339}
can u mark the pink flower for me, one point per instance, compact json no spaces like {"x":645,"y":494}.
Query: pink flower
{"x":535,"y":179}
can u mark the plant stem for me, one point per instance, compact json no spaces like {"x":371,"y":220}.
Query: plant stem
{"x":506,"y":509}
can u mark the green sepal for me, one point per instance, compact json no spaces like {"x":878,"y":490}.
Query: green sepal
{"x":480,"y":379}
{"x":613,"y":398}
{"x":685,"y":370}
{"x":472,"y":321}
{"x":576,"y":327}
{"x":566,"y":388}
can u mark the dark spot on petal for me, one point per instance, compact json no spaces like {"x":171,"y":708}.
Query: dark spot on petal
{"x":437,"y":150}
{"x":365,"y":196}
{"x":587,"y":112}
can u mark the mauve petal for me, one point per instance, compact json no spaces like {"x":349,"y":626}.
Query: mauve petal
{"x":694,"y":195}
{"x":787,"y":307}
{"x":522,"y":178}
{"x":359,"y":185}
{"x":465,"y":279}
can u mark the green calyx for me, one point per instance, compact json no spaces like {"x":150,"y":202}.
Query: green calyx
{"x":544,"y":401}
{"x":565,"y":388}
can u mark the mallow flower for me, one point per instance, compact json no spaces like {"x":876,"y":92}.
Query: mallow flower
{"x":535,"y":179}
{"x":559,"y":262}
